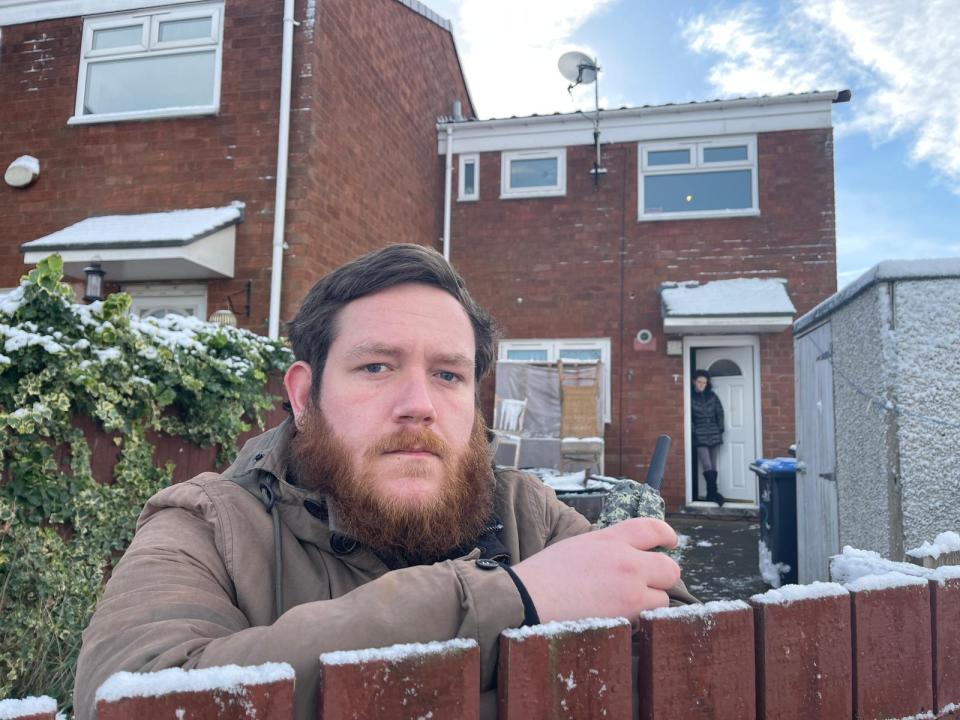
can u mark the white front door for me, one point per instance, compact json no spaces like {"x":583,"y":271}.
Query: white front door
{"x":731,"y":374}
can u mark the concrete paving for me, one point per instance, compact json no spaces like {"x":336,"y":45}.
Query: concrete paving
{"x":718,"y":556}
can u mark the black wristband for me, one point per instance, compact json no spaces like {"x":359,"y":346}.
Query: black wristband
{"x":530,"y":615}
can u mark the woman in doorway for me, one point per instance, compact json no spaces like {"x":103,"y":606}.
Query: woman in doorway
{"x":707,"y":414}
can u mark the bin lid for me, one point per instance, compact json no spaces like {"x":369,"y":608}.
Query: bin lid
{"x":780,"y":465}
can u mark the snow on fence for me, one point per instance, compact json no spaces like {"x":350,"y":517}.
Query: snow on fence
{"x":882,"y":645}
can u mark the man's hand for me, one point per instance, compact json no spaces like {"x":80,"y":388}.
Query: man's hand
{"x":606,"y":573}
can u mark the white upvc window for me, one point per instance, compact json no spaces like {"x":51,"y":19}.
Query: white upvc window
{"x":533,"y":173}
{"x":162,"y":62}
{"x":584,"y":350}
{"x":156,"y":300}
{"x":468,"y":177}
{"x":700,"y":178}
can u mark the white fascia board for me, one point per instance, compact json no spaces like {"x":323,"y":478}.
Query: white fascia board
{"x":725,"y":325}
{"x":643,"y":124}
{"x":15,"y":12}
{"x":207,"y":258}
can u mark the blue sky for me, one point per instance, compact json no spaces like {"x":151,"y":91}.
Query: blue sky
{"x":897,"y":143}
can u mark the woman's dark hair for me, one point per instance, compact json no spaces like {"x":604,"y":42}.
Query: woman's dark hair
{"x":701,"y":374}
{"x":314,"y":328}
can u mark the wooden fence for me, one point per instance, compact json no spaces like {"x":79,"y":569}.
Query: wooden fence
{"x":887,"y":648}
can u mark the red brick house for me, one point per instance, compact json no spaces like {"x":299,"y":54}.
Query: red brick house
{"x":155,"y":148}
{"x":146,"y":112}
{"x":709,"y":228}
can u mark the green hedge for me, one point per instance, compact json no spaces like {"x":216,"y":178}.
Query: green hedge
{"x":60,"y":530}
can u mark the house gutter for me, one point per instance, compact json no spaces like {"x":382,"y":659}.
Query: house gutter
{"x":283,"y":154}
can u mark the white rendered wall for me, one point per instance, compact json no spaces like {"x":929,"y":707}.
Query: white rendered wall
{"x":861,"y":429}
{"x":925,"y":341}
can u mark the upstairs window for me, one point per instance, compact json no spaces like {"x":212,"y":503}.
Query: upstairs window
{"x":698,"y":178}
{"x":469,"y":177}
{"x":163,"y":62}
{"x":533,"y":173}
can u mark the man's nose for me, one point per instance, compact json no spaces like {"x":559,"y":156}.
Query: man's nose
{"x":414,"y":402}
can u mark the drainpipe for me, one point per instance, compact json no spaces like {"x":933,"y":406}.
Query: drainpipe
{"x":283,"y":143}
{"x":447,"y":190}
{"x":448,"y":181}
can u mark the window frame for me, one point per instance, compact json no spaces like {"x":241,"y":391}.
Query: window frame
{"x":150,"y":21}
{"x":553,"y":346}
{"x":557,"y":190}
{"x":464,"y":159}
{"x":147,"y":297}
{"x":697,"y":164}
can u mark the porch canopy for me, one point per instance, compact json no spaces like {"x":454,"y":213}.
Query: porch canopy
{"x":736,"y":306}
{"x":193,"y":244}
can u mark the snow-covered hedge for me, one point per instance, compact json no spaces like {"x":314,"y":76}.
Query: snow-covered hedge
{"x":59,"y":529}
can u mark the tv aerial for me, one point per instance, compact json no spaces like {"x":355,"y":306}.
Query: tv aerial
{"x":581,"y":69}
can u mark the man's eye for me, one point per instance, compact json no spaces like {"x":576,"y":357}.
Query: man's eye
{"x":448,"y":376}
{"x":374,"y":368}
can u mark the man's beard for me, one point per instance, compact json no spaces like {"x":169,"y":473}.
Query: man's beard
{"x":416,"y":531}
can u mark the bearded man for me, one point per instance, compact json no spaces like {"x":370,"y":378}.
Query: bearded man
{"x":372,"y":516}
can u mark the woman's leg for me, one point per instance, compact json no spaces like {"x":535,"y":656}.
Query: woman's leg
{"x":707,"y":457}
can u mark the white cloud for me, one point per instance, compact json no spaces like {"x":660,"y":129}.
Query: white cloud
{"x":900,"y":59}
{"x":510,"y":50}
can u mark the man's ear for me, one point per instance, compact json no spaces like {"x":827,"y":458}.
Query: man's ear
{"x":297,"y":381}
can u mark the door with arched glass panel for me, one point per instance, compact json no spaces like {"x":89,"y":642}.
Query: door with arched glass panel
{"x":731,"y":374}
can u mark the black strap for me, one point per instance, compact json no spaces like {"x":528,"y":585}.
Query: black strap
{"x":530,"y":615}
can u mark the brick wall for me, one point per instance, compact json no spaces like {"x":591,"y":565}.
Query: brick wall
{"x":370,"y":80}
{"x":583,"y":266}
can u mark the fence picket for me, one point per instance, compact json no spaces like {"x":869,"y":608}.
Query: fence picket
{"x":573,"y":670}
{"x":402,"y":682}
{"x":698,"y":662}
{"x":892,"y":646}
{"x":264,"y":692}
{"x":804,"y":655}
{"x":945,"y":607}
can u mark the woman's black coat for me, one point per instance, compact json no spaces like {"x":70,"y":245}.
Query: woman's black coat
{"x":707,"y":412}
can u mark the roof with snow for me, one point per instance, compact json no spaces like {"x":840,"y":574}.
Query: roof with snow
{"x":887,"y":271}
{"x":736,"y":305}
{"x":168,"y":229}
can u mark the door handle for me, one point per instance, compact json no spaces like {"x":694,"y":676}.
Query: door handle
{"x":827,"y":476}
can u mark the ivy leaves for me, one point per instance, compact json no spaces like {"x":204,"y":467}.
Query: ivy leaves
{"x":59,"y":528}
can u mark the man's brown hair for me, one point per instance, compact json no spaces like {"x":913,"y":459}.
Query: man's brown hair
{"x":313,"y":329}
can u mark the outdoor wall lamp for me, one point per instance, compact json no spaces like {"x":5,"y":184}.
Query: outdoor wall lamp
{"x":227,"y":316}
{"x":93,"y":290}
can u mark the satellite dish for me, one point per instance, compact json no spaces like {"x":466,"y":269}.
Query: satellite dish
{"x":578,"y":68}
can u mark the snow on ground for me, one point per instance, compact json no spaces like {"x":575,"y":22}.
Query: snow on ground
{"x":230,"y":678}
{"x":572,"y":482}
{"x":771,"y":572}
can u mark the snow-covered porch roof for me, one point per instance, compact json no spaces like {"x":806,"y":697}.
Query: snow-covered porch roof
{"x":191,"y":244}
{"x":740,"y":305}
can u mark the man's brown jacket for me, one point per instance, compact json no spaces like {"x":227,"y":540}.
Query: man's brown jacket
{"x":195,"y":588}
